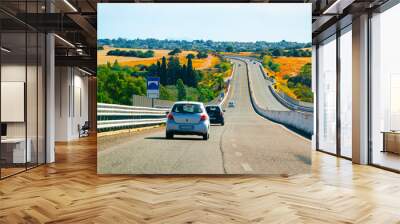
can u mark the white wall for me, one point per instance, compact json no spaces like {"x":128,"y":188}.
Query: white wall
{"x":12,"y":73}
{"x":62,"y":82}
{"x":71,"y":102}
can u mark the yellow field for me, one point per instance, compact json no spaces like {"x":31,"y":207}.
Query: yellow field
{"x":288,"y":66}
{"x":103,"y":58}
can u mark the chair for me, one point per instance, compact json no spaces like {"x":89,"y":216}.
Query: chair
{"x":84,"y":130}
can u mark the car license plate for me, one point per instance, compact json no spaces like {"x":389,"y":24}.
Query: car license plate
{"x":186,"y":127}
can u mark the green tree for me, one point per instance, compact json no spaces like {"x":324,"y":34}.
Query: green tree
{"x":181,"y":90}
{"x":163,"y":71}
{"x":117,"y":85}
{"x":220,"y":83}
{"x":223,"y":66}
{"x":189,"y":73}
{"x":183,"y":73}
{"x":191,"y":56}
{"x":277,"y":52}
{"x":175,"y":51}
{"x":131,"y":53}
{"x":193,"y":76}
{"x":173,"y":70}
{"x":205,"y":94}
{"x":152,"y":70}
{"x":202,"y":54}
{"x":306,"y":70}
{"x":116,"y":65}
{"x":268,"y":62}
{"x":158,"y":68}
{"x":274,"y":66}
{"x":164,"y":94}
{"x":229,"y":49}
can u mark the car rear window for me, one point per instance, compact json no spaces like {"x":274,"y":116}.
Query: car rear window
{"x":187,"y":108}
{"x":213,"y":109}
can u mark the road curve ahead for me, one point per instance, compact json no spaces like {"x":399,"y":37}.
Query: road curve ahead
{"x":247,"y":144}
{"x":265,"y":99}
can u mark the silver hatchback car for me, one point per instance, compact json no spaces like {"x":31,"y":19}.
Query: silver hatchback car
{"x":188,"y":118}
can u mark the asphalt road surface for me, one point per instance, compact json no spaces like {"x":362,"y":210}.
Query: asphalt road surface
{"x":265,"y":99}
{"x":247,"y":144}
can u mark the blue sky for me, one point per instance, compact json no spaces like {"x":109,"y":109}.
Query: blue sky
{"x":217,"y":22}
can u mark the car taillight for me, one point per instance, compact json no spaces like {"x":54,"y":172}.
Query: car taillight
{"x":170,"y":116}
{"x":203,"y":117}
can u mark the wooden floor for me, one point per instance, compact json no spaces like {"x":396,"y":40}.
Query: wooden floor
{"x":69,"y":191}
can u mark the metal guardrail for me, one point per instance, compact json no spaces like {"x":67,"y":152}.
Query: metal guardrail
{"x":266,"y":75}
{"x":299,"y":103}
{"x":115,"y":117}
{"x":289,"y":103}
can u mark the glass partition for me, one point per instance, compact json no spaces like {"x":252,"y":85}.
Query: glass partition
{"x":327,"y":95}
{"x":22,"y":77}
{"x":346,"y":92}
{"x":385,"y":89}
{"x":14,"y":145}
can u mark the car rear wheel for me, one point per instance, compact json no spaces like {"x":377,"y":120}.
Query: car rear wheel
{"x":206,"y":136}
{"x":223,"y":123}
{"x":169,"y":135}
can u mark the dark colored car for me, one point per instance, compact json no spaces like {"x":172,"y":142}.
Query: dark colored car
{"x":216,"y":114}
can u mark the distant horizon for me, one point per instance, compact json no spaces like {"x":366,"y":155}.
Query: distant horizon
{"x":219,"y":22}
{"x":166,"y":39}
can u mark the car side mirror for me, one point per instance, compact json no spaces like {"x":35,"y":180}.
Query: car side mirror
{"x":167,"y":112}
{"x":223,"y":110}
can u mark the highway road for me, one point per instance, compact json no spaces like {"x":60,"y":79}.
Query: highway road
{"x":265,"y":99}
{"x":247,"y":144}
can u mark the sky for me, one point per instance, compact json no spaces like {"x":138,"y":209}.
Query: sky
{"x":218,"y":22}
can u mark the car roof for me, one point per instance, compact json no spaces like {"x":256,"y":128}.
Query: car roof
{"x":188,"y":102}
